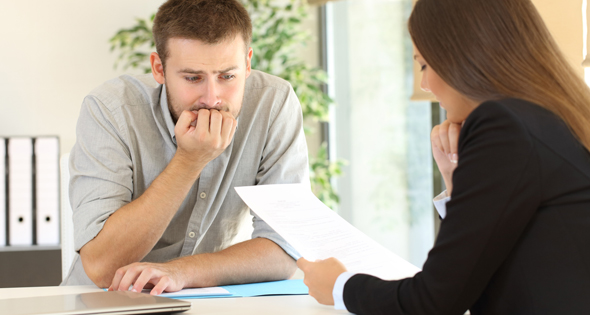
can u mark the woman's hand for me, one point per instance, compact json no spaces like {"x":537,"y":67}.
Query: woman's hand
{"x":445,"y":143}
{"x":320,"y":277}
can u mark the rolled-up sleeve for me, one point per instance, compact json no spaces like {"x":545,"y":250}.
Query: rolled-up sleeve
{"x":100,"y":170}
{"x":284,"y":160}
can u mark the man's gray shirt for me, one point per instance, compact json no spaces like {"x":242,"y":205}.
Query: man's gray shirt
{"x":125,"y":139}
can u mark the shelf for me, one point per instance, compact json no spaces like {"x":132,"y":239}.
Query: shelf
{"x":29,"y":248}
{"x":30,"y":266}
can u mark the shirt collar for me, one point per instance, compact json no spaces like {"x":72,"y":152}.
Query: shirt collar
{"x":166,"y":112}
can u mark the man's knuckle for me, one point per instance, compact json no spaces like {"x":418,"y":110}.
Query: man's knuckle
{"x":202,"y":137}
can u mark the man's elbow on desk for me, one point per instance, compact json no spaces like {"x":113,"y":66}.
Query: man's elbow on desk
{"x":98,"y":270}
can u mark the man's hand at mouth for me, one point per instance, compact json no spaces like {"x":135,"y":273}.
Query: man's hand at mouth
{"x":202,"y":136}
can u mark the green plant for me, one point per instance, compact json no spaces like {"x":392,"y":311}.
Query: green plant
{"x":277,"y":33}
{"x":321,"y":171}
{"x":135,"y":45}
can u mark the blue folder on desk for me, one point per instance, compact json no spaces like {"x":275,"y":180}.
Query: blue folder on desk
{"x":283,"y":287}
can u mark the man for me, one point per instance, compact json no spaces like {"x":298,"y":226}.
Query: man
{"x":155,"y":164}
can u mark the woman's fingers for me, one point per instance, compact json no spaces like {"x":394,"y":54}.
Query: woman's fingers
{"x":443,"y":134}
{"x":453,"y":136}
{"x":446,"y":138}
{"x":435,"y":139}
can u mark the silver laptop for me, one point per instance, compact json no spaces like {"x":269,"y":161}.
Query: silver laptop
{"x":112,"y":302}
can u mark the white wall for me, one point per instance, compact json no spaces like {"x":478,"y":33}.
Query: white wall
{"x":564,"y":21}
{"x":53,"y":53}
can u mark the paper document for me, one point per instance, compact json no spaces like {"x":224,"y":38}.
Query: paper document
{"x":191,"y":293}
{"x":188,"y":293}
{"x":317,"y":232}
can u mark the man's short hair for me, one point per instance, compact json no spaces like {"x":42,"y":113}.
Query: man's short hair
{"x":210,"y":21}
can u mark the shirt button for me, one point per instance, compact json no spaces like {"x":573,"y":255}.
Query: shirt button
{"x":191,"y":234}
{"x":203,"y":195}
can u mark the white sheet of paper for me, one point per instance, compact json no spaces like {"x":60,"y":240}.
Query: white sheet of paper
{"x":317,"y":232}
{"x":194,"y":292}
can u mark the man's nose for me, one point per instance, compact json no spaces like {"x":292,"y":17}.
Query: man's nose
{"x":210,"y":96}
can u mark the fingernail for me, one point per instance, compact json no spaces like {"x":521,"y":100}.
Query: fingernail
{"x":455,"y":158}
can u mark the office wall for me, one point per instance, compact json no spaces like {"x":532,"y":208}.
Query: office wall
{"x":52,"y":53}
{"x":564,"y":21}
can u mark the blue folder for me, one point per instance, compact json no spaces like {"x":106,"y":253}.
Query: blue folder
{"x":283,"y":287}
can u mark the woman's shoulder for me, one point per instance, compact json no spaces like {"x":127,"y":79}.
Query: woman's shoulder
{"x":513,"y":108}
{"x":530,"y":117}
{"x":523,"y":120}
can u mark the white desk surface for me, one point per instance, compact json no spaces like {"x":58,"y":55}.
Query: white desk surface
{"x":287,"y":304}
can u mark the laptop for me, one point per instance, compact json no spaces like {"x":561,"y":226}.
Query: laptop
{"x":112,"y":303}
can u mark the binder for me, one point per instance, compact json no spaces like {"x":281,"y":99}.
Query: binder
{"x":20,"y":191}
{"x":47,"y":190}
{"x":3,"y":210}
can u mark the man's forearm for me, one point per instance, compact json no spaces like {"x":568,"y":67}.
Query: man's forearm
{"x":133,"y":230}
{"x":254,"y":260}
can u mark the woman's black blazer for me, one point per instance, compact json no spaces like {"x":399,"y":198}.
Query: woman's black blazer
{"x":516,"y":238}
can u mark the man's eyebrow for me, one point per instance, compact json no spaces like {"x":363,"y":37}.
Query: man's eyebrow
{"x":227,"y":70}
{"x":192,"y":71}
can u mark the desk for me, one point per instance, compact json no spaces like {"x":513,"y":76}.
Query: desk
{"x":289,"y":304}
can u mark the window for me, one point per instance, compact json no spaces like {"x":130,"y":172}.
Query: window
{"x":386,"y":190}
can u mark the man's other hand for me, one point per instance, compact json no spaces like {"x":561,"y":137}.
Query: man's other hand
{"x":160,"y":277}
{"x":202,"y":136}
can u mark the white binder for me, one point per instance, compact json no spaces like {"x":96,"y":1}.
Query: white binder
{"x":20,"y":191}
{"x":47,"y":190}
{"x":3,"y":212}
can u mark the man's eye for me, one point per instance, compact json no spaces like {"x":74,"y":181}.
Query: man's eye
{"x":228,"y":76}
{"x":192,"y":79}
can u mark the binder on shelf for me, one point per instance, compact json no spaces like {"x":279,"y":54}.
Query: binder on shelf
{"x":3,"y":200}
{"x":20,"y":191}
{"x":47,"y":190}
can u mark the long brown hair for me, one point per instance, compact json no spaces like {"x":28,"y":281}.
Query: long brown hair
{"x":494,"y":49}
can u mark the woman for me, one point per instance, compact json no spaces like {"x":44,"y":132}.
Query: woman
{"x":516,"y":236}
